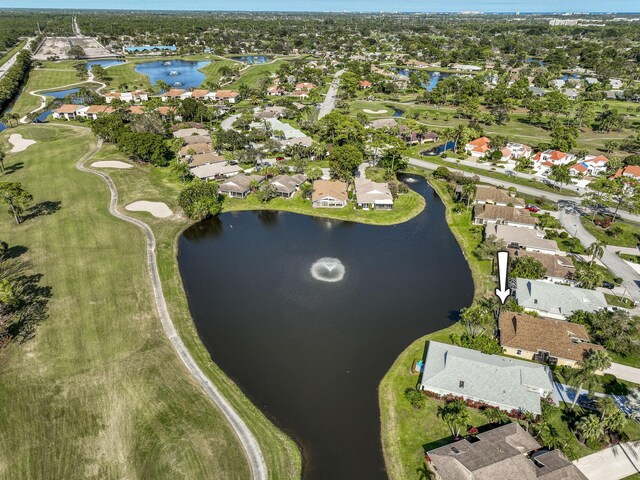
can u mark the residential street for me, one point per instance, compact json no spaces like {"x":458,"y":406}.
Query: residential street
{"x":555,"y":197}
{"x":613,"y":463}
{"x":570,"y":218}
{"x":330,"y":98}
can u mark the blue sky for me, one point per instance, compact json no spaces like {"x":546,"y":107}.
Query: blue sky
{"x":341,"y":5}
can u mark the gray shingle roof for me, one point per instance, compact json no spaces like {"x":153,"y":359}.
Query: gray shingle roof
{"x":557,"y":299}
{"x":505,"y":382}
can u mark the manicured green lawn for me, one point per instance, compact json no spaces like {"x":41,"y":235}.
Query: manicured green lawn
{"x":251,"y":75}
{"x":126,"y":75}
{"x":407,"y":433}
{"x":630,"y":236}
{"x":39,"y":79}
{"x":144,"y":182}
{"x":98,"y":392}
{"x":405,"y":207}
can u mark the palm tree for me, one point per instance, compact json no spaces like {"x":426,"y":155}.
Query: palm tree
{"x":585,"y":375}
{"x":456,"y":415}
{"x":590,"y":427}
{"x":468,"y":190}
{"x":560,"y":174}
{"x":2,"y":157}
{"x":596,"y":249}
{"x":495,"y":415}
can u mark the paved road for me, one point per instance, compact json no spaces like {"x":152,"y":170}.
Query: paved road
{"x":4,"y":68}
{"x":246,"y":437}
{"x":74,"y":26}
{"x":330,"y":98}
{"x":569,"y":216}
{"x":613,"y":463}
{"x":554,"y":197}
{"x":227,"y":123}
{"x":624,"y":372}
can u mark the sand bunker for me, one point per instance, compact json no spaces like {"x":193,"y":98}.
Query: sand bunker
{"x":19,"y":144}
{"x":157,"y":209}
{"x":375,"y":112}
{"x":111,"y":164}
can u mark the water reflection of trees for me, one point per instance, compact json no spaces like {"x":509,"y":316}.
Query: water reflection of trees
{"x":211,"y":227}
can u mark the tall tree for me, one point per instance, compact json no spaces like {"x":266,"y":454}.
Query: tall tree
{"x":456,"y":415}
{"x":18,"y":199}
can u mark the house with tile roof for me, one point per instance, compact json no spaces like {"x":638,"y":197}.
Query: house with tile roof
{"x":558,"y":268}
{"x":591,"y":165}
{"x":630,"y":171}
{"x":479,"y":147}
{"x":503,"y":382}
{"x":68,"y":111}
{"x":239,"y":186}
{"x":502,"y":453}
{"x":556,"y":342}
{"x":526,"y":239}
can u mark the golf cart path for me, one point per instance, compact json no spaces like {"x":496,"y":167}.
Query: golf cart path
{"x":255,"y":458}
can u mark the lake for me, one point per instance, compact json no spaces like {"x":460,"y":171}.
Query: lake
{"x":434,"y":77}
{"x":176,"y":73}
{"x":310,"y":349}
{"x":251,"y":59}
{"x":61,"y":93}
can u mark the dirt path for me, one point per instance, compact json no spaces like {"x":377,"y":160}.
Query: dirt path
{"x":247,"y":439}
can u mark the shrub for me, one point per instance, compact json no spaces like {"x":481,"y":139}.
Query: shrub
{"x":415,"y":397}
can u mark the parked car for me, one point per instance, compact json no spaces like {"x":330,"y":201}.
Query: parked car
{"x":532,"y":208}
{"x":608,"y":285}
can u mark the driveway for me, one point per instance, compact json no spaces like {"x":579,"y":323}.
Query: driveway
{"x":330,"y":98}
{"x":570,"y":218}
{"x":624,"y":372}
{"x":613,"y":463}
{"x":227,"y":123}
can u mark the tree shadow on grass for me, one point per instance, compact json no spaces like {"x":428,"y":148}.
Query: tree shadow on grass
{"x":11,"y":252}
{"x":14,"y":167}
{"x":31,"y":309}
{"x":42,"y":209}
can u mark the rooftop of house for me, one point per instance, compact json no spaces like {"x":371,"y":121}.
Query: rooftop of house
{"x":196,"y":148}
{"x":557,"y":299}
{"x":174,"y":92}
{"x":227,"y":94}
{"x":215,"y":169}
{"x":488,"y":194}
{"x":204,"y":158}
{"x":494,"y":379}
{"x":368,"y":192}
{"x":502,"y":213}
{"x":188,"y":132}
{"x":628,"y":171}
{"x":523,"y":237}
{"x":480,"y":142}
{"x":287,"y":183}
{"x":557,"y":266}
{"x":384,"y":123}
{"x":560,"y":338}
{"x":100,"y":109}
{"x":67,"y":108}
{"x":239,"y":183}
{"x":497,"y":453}
{"x":329,"y":188}
{"x":196,"y":139}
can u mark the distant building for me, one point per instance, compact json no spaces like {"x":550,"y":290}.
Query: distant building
{"x":150,"y":49}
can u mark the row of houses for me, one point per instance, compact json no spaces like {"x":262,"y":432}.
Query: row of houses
{"x":72,"y":111}
{"x":228,"y":96}
{"x":542,"y":162}
{"x":301,"y":90}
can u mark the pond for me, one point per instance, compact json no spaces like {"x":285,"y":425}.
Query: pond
{"x":308,"y":314}
{"x":104,"y":63}
{"x":434,"y":77}
{"x":251,"y":59}
{"x":439,"y":149}
{"x":61,"y":93}
{"x":176,"y":73}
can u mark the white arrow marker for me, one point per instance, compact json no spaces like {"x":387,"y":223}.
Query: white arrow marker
{"x":503,"y":262}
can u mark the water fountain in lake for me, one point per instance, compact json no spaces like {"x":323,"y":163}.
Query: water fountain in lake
{"x":173,"y":73}
{"x":328,"y":269}
{"x":410,"y":180}
{"x":176,"y":84}
{"x":167,"y":63}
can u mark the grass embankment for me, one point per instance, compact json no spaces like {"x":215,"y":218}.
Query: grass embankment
{"x":407,"y":433}
{"x":250,"y":75}
{"x":98,"y":392}
{"x":468,"y":236}
{"x":41,"y":79}
{"x":405,"y":207}
{"x":629,"y":235}
{"x":144,"y":182}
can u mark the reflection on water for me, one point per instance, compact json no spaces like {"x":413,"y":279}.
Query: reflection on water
{"x":311,"y":353}
{"x":183,"y":72}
